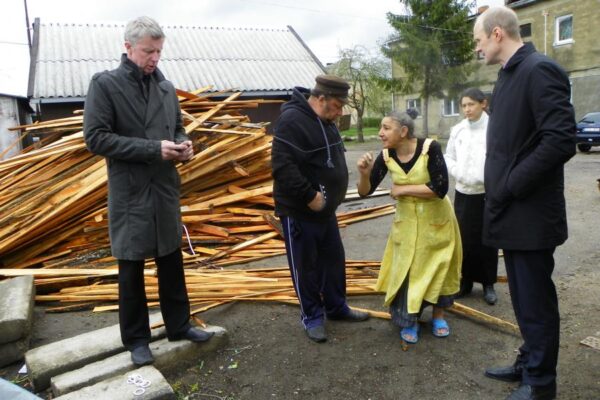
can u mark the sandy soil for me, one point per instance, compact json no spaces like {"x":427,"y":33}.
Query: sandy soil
{"x":269,"y":356}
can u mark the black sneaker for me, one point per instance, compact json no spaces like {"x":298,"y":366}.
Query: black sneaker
{"x":317,"y":334}
{"x":142,"y":355}
{"x":197,"y":335}
{"x":489,"y":295}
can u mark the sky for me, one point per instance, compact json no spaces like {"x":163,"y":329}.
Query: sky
{"x":326,"y":26}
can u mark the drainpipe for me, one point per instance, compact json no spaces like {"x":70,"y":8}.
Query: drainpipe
{"x":545,"y":14}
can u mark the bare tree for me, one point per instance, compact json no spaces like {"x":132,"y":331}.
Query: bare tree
{"x":363,"y":73}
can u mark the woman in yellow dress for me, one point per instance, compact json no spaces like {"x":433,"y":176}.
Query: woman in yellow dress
{"x":422,"y":259}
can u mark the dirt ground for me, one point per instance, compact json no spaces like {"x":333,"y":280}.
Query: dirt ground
{"x":269,"y":356}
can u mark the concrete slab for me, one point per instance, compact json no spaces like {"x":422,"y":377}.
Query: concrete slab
{"x":14,"y":351}
{"x":119,"y":388}
{"x":167,"y":355}
{"x":56,"y":358}
{"x":16,"y":308}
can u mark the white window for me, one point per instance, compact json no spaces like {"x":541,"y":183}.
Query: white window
{"x":414,"y":103}
{"x":450,"y":107}
{"x":563,"y":30}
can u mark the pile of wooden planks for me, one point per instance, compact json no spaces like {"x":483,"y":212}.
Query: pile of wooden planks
{"x":204,"y":285}
{"x":53,"y":199}
{"x":208,"y":288}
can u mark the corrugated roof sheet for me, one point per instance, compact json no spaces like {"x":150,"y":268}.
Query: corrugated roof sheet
{"x":193,"y":57}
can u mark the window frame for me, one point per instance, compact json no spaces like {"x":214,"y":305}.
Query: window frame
{"x":454,"y":105}
{"x":417,"y":105}
{"x":558,"y":21}
{"x":526,"y":24}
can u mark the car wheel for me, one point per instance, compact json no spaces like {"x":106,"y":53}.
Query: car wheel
{"x":584,"y":147}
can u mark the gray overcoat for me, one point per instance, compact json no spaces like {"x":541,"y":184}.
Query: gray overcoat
{"x":125,"y":123}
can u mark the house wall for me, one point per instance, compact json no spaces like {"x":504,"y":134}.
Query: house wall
{"x":580,"y":58}
{"x":9,"y":117}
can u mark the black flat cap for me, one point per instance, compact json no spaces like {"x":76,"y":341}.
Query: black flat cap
{"x":333,"y":86}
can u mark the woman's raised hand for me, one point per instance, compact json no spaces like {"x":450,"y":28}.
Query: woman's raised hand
{"x":365,"y":163}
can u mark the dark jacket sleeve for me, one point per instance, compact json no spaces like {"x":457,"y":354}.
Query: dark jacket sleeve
{"x":438,"y":172}
{"x":286,"y":160}
{"x":377,"y":173}
{"x":99,"y":129}
{"x":553,"y":142}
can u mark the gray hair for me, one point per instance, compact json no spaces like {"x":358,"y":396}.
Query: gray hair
{"x":405,"y":119}
{"x":142,"y":27}
{"x":503,"y":18}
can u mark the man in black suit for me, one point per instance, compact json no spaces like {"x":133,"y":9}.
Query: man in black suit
{"x":531,"y":135}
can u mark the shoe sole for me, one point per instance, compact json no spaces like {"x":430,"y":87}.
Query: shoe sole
{"x":317,"y":339}
{"x":142,"y":364}
{"x":511,"y":380}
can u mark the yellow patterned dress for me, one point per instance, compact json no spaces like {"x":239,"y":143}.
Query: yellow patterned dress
{"x":424,"y":244}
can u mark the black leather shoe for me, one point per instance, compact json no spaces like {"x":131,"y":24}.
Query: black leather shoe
{"x":197,"y":335}
{"x":528,"y":392}
{"x":142,"y":355}
{"x":465,"y":289}
{"x":513,"y":373}
{"x":317,"y":334}
{"x":351,"y":316}
{"x":489,"y":295}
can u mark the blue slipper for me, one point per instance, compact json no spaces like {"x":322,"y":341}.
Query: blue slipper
{"x":410,"y":334}
{"x":440,"y":324}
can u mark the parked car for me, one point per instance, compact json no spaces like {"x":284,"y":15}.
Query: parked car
{"x":588,"y":131}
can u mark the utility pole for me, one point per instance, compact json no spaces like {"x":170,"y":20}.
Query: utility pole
{"x":27,"y":25}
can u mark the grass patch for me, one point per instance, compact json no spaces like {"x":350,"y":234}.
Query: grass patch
{"x":366,"y":132}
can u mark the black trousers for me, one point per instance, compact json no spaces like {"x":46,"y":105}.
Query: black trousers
{"x":535,"y":303}
{"x":133,"y":307}
{"x":317,"y":264}
{"x":480,"y":262}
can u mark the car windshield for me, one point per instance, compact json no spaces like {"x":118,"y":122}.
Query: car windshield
{"x":591,"y":118}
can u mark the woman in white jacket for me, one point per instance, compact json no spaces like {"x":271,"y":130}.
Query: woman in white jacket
{"x":465,"y":159}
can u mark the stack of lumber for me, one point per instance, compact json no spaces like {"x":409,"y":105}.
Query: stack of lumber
{"x":209,"y":288}
{"x":53,"y":199}
{"x":205,"y":285}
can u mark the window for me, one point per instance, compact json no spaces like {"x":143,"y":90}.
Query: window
{"x":414,"y":103}
{"x":450,"y":107}
{"x":525,"y":30}
{"x":564,"y":30}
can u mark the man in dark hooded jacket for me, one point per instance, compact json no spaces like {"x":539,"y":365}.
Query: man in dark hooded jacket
{"x":531,"y":135}
{"x":310,"y":182}
{"x":132,"y":118}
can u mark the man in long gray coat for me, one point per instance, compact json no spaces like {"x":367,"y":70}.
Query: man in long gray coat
{"x":132,"y":117}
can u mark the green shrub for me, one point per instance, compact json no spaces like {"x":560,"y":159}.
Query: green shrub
{"x":371,"y":122}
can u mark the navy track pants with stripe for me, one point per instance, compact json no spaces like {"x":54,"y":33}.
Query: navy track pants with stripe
{"x":316,"y":259}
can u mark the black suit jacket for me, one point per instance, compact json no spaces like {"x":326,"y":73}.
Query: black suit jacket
{"x":531,"y":135}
